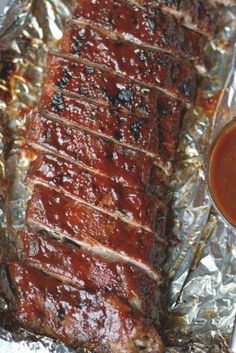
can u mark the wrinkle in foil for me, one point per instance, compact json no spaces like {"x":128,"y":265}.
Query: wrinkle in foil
{"x":202,"y":266}
{"x":13,"y":15}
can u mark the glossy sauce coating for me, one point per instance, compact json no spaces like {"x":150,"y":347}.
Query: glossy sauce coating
{"x":149,"y":26}
{"x":139,"y":131}
{"x":143,"y":65}
{"x":132,"y":168}
{"x":96,"y":190}
{"x":100,"y":322}
{"x":136,"y":131}
{"x":202,"y":14}
{"x":67,"y":218}
{"x":222,"y":173}
{"x":106,"y":88}
{"x":84,"y":270}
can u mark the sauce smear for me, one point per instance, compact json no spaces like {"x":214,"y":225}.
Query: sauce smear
{"x":222,"y":173}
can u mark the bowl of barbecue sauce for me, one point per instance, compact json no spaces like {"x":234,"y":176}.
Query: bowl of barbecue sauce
{"x":222,"y":173}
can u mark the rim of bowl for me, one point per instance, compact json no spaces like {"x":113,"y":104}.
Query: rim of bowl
{"x":210,"y":152}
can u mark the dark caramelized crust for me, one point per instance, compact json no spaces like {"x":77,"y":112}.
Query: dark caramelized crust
{"x":50,"y":210}
{"x":99,"y":322}
{"x":202,"y":15}
{"x":132,"y":168}
{"x":143,"y":25}
{"x":129,"y":204}
{"x":137,"y":131}
{"x":143,"y":65}
{"x":106,"y":88}
{"x":141,"y":132}
{"x":170,"y":113}
{"x":91,"y":272}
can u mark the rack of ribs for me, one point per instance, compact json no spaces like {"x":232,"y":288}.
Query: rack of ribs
{"x":104,"y":138}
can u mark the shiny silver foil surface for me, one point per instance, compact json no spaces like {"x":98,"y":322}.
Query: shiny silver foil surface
{"x":202,"y":258}
{"x":24,"y":342}
{"x":202,"y":267}
{"x":13,"y":14}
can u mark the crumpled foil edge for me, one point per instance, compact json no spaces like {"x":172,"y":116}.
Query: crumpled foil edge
{"x":202,"y":268}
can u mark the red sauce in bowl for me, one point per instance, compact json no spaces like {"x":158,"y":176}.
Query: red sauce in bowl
{"x":222,"y":173}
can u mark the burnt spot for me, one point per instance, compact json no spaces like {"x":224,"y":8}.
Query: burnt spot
{"x":111,"y":97}
{"x":136,"y":128}
{"x":142,"y":56}
{"x":122,"y":97}
{"x":152,"y":23}
{"x":126,"y":96}
{"x":62,"y":83}
{"x":57,"y":102}
{"x":89,"y":70}
{"x":118,"y":135}
{"x":78,"y":42}
{"x":67,"y":74}
{"x":188,"y":89}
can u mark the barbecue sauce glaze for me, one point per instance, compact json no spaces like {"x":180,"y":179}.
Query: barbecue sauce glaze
{"x":222,"y":173}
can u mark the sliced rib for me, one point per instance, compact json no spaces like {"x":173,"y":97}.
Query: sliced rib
{"x":202,"y":16}
{"x":111,"y":90}
{"x":148,"y":26}
{"x":132,"y":168}
{"x":128,"y":204}
{"x":77,"y":267}
{"x":147,"y":66}
{"x":137,"y":131}
{"x":92,"y":83}
{"x":50,"y":210}
{"x":100,"y":322}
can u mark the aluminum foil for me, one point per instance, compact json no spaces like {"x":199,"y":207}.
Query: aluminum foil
{"x":13,"y":15}
{"x":26,"y":343}
{"x":202,"y":259}
{"x":202,"y":268}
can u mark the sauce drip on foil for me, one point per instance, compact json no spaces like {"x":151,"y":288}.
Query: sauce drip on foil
{"x":222,"y":173}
